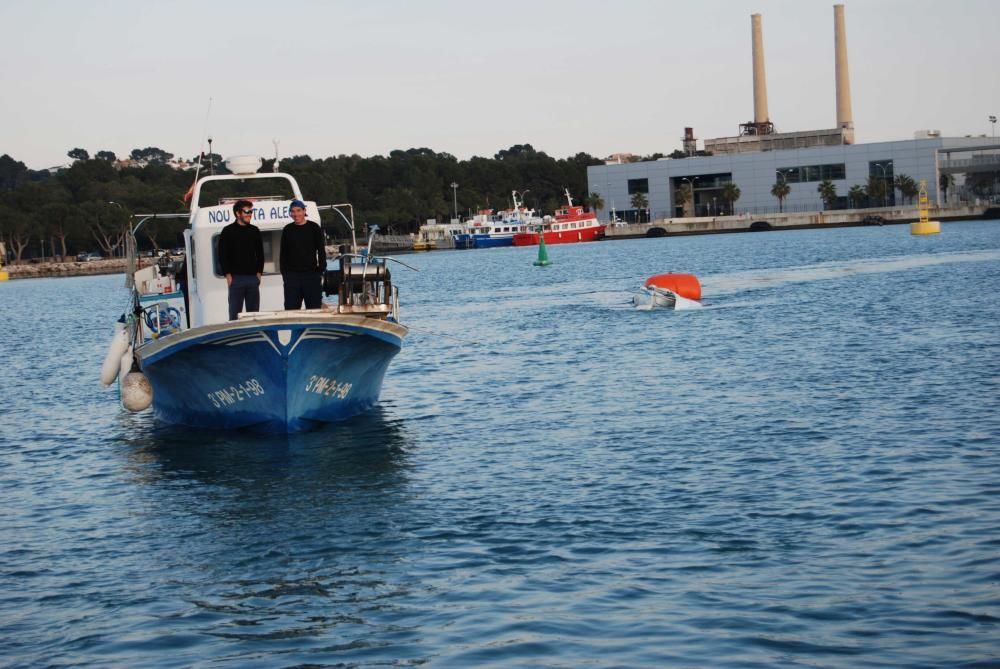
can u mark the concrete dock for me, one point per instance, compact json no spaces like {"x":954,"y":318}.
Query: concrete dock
{"x":789,"y":221}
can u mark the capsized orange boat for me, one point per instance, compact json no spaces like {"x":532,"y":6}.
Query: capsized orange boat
{"x":672,"y":290}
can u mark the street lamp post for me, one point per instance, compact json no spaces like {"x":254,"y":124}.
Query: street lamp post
{"x":993,"y":133}
{"x":454,"y":196}
{"x":123,"y":209}
{"x":519,"y":201}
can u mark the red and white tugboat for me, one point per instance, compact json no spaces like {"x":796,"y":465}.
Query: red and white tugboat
{"x":571,"y":224}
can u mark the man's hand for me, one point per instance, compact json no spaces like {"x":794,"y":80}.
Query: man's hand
{"x":229,"y":279}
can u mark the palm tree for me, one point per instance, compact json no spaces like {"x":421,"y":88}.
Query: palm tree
{"x":594,"y":202}
{"x":827,"y":192}
{"x":856,"y":195}
{"x":683,"y":195}
{"x":730,"y":194}
{"x":781,"y":190}
{"x":945,"y":182}
{"x":876,"y":189}
{"x":640,"y":202}
{"x":907,"y":187}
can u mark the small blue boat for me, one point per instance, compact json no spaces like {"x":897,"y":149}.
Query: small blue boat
{"x":488,"y":230}
{"x":275,"y":370}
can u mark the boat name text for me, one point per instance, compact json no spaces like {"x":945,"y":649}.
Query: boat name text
{"x":225,"y":397}
{"x":328,"y":387}
{"x":259,"y":214}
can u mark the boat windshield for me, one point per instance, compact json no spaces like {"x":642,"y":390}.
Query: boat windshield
{"x":229,"y":191}
{"x":272,"y":245}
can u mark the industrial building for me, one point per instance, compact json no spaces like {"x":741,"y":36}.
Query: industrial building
{"x":759,"y":157}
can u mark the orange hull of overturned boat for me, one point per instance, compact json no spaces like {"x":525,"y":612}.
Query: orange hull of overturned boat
{"x":685,"y":285}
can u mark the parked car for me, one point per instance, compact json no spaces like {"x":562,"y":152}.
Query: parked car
{"x":89,"y":256}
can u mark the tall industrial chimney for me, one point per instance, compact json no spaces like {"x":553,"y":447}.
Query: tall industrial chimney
{"x":845,"y":120}
{"x":759,"y":82}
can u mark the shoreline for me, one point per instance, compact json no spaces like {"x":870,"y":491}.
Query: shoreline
{"x":44,"y":270}
{"x":38,"y":270}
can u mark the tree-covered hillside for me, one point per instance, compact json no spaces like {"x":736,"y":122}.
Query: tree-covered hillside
{"x":87,"y":205}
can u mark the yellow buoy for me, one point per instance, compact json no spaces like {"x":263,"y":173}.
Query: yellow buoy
{"x":924,"y":226}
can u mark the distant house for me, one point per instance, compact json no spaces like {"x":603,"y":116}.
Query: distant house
{"x":128,"y":163}
{"x":620,"y":158}
{"x":174,"y":163}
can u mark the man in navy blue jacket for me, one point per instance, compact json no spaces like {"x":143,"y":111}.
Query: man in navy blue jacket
{"x":241,"y":255}
{"x":303,"y":259}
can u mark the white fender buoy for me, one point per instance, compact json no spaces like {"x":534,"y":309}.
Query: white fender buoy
{"x":137,"y":393}
{"x":126,"y":365}
{"x":113,"y":359}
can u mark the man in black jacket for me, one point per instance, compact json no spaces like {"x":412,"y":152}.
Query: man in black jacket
{"x":241,"y":255}
{"x":303,"y":260}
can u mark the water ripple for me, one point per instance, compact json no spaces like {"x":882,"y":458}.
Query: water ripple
{"x":801,"y":474}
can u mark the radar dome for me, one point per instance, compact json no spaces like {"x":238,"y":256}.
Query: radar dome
{"x":244,"y":164}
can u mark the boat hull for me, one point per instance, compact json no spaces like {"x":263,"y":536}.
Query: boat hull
{"x":271,"y":374}
{"x":490,"y":241}
{"x":463,"y":241}
{"x":655,"y":297}
{"x":560,"y":236}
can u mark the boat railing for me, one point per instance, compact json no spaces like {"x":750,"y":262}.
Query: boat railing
{"x":349,"y":221}
{"x":136,"y":221}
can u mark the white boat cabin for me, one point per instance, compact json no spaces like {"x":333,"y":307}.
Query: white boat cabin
{"x":208,"y":293}
{"x":211,"y":211}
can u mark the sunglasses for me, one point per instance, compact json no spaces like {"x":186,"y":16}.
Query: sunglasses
{"x":246,"y":211}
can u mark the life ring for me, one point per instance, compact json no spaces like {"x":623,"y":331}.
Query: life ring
{"x":163,"y":321}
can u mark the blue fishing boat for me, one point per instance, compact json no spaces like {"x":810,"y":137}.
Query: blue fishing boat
{"x":488,"y":230}
{"x":478,"y":224}
{"x":274,"y":370}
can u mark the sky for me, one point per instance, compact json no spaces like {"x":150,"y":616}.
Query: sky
{"x":469,"y":78}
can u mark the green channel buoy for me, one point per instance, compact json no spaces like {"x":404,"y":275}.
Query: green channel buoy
{"x":543,"y":255}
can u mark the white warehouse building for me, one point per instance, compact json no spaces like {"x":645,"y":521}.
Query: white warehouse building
{"x":759,"y":157}
{"x":802,"y":169}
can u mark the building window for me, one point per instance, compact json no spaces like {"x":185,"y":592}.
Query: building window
{"x":881,"y":169}
{"x":794,"y":175}
{"x":833,"y":172}
{"x":789,"y":175}
{"x":638,"y":186}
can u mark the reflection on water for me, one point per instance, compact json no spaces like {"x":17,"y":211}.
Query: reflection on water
{"x":367,"y":446}
{"x":287,"y":540}
{"x":552,"y":479}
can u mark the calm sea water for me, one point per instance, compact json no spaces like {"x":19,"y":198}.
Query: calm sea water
{"x":804,"y":473}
